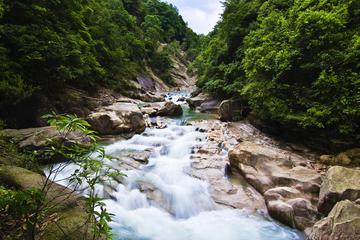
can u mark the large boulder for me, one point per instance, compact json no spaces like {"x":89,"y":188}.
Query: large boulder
{"x":197,"y":100}
{"x":170,"y":109}
{"x":211,"y":106}
{"x":340,"y":183}
{"x":195,"y":93}
{"x":146,"y":83}
{"x":226,"y":111}
{"x":37,"y":138}
{"x":119,"y":118}
{"x":289,"y":206}
{"x":343,"y":222}
{"x":232,"y":110}
{"x":162,"y":109}
{"x":204,"y":103}
{"x":24,"y":179}
{"x":289,"y":187}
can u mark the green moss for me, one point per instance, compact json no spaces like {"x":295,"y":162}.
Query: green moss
{"x":71,"y":225}
{"x":11,"y":155}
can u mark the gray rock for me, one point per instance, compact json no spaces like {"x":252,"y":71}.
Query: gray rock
{"x":231,"y":110}
{"x":342,"y":223}
{"x":24,"y":179}
{"x":37,"y":138}
{"x":146,"y":83}
{"x":226,"y":111}
{"x":209,"y":163}
{"x":162,"y":109}
{"x":290,"y":189}
{"x":117,"y":119}
{"x":170,"y":109}
{"x":340,"y":183}
{"x":142,"y":156}
{"x":203,"y":102}
{"x":211,"y":106}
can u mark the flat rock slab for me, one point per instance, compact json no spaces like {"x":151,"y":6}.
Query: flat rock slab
{"x":210,"y":163}
{"x":36,"y":138}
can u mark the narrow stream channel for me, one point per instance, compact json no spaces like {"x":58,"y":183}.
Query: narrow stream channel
{"x":160,"y":201}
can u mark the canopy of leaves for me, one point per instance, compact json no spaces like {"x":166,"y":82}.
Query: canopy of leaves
{"x":46,"y":45}
{"x":297,"y":62}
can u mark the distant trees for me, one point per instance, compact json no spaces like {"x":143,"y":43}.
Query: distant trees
{"x":296,"y":62}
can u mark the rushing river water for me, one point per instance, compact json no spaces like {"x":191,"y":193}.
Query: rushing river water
{"x":186,"y":210}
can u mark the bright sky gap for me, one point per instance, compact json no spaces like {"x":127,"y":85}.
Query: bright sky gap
{"x":201,"y":15}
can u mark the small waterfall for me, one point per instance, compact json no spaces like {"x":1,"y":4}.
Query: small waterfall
{"x":159,"y":201}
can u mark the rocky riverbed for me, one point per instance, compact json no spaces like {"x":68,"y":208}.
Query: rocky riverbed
{"x":187,"y":168}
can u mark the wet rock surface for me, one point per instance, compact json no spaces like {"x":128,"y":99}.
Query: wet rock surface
{"x":150,"y":97}
{"x":209,"y":162}
{"x":289,"y":188}
{"x":265,"y":172}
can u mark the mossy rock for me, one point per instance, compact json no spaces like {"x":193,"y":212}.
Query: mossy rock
{"x":71,"y":225}
{"x":350,"y":157}
{"x":67,"y":220}
{"x":24,"y":179}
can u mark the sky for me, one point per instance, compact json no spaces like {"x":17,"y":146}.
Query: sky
{"x":201,"y":15}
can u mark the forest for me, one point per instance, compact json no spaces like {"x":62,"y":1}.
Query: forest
{"x":295,"y":62}
{"x":47,"y":45}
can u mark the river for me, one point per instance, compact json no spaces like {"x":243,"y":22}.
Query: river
{"x":161,"y":201}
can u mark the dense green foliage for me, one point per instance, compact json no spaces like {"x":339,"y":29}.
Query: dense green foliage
{"x":46,"y":45}
{"x":296,"y":62}
{"x":17,"y":210}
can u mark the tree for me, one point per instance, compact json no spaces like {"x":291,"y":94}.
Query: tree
{"x":47,"y":46}
{"x":302,"y":64}
{"x":296,"y":62}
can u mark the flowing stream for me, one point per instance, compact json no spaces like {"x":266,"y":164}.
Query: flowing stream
{"x":160,"y":201}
